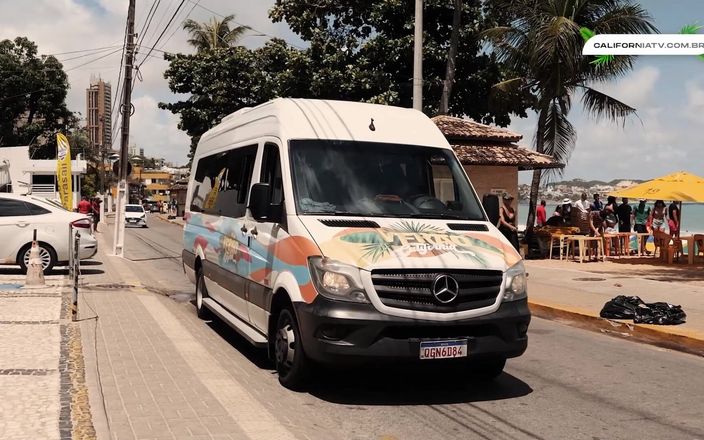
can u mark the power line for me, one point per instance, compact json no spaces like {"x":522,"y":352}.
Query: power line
{"x":178,"y":27}
{"x":93,"y":60}
{"x":82,"y":50}
{"x":87,"y":54}
{"x":163,"y":31}
{"x":148,"y":21}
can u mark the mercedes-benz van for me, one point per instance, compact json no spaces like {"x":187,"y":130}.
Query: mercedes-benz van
{"x":333,"y":232}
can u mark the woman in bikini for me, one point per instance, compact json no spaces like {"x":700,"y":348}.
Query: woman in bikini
{"x":507,"y":220}
{"x":658,"y":223}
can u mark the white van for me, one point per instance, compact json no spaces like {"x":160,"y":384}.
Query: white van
{"x":333,"y":232}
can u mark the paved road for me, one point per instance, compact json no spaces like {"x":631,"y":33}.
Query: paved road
{"x":570,"y":384}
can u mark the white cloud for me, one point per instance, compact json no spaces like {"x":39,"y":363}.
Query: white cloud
{"x":635,"y":89}
{"x":69,"y":25}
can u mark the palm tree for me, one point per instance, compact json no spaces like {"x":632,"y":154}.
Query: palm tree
{"x":544,"y":44}
{"x":214,"y":34}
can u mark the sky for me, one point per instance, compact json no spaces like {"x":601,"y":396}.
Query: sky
{"x":667,"y":91}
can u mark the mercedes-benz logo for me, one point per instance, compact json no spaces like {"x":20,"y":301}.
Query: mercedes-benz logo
{"x":445,"y":288}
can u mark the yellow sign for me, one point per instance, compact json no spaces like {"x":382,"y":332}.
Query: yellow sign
{"x":63,"y":171}
{"x":213,"y":194}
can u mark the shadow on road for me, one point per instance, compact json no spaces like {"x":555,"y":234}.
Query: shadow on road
{"x":389,"y":385}
{"x":371,"y":385}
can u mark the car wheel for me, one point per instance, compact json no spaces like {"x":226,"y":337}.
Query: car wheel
{"x":202,"y":292}
{"x":488,"y":369}
{"x":46,"y":253}
{"x":291,"y":362}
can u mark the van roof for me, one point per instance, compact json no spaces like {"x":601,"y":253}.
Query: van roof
{"x":289,"y":118}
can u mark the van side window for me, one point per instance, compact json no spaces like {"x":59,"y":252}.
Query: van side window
{"x":222,"y":182}
{"x":271,"y":173}
{"x":237,"y":167}
{"x":204,"y":181}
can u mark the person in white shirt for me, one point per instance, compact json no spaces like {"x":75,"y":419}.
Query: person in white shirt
{"x":583,"y":204}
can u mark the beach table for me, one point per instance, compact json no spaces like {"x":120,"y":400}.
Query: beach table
{"x":640,"y":236}
{"x":583,"y":241}
{"x":561,"y":240}
{"x":690,"y":239}
{"x":620,"y":242}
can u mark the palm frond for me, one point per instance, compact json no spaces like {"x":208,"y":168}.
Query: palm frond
{"x":600,"y":105}
{"x":558,"y":133}
{"x":690,"y":29}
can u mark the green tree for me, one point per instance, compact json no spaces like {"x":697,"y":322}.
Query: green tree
{"x":32,"y":97}
{"x":363,"y":50}
{"x":543,"y":43}
{"x":214,"y":34}
{"x":221,"y":81}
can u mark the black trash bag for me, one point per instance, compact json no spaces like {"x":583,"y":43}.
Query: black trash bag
{"x":660,"y":313}
{"x":621,"y":307}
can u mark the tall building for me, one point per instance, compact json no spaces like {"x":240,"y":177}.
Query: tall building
{"x":98,"y":112}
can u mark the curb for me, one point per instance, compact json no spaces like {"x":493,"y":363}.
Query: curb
{"x":643,"y":333}
{"x":169,"y":221}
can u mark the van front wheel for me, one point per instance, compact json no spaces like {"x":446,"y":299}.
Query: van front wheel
{"x":291,"y":362}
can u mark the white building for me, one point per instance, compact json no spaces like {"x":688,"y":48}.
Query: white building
{"x":21,"y":175}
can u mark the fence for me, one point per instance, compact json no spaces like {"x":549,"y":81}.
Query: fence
{"x":74,"y":268}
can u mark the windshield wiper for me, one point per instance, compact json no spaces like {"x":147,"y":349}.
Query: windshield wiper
{"x":439,"y":215}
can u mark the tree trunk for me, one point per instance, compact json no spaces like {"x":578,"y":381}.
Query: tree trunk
{"x":535,"y":183}
{"x":444,"y":106}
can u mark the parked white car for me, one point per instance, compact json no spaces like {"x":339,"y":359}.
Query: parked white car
{"x":135,"y":216}
{"x":21,"y":215}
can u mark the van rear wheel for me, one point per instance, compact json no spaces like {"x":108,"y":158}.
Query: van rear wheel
{"x":291,"y":362}
{"x":201,"y":293}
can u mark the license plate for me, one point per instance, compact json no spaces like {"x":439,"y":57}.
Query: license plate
{"x":443,"y":349}
{"x":132,"y":220}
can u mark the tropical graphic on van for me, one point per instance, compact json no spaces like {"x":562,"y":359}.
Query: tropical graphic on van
{"x":418,"y":240}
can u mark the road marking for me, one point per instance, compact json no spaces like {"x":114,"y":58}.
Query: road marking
{"x":254,"y":419}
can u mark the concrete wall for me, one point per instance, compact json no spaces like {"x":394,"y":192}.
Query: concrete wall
{"x":490,"y":179}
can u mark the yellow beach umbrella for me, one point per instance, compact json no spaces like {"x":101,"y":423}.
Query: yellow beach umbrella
{"x":680,"y":186}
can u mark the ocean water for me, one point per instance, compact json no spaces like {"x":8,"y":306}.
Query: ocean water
{"x":692,"y":216}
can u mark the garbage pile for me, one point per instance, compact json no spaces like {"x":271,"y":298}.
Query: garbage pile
{"x":632,"y":307}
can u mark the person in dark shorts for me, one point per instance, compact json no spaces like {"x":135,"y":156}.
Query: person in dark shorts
{"x":673,"y":214}
{"x":624,"y":212}
{"x":95,"y":208}
{"x":507,"y":220}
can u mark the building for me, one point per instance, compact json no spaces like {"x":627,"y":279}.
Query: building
{"x":21,"y":175}
{"x":99,"y":114}
{"x":490,"y":155}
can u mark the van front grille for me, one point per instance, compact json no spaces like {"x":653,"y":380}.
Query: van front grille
{"x":412,"y":289}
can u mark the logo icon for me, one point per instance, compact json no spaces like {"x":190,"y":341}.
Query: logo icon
{"x":445,"y":288}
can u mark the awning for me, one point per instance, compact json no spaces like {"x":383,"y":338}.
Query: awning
{"x":681,"y":186}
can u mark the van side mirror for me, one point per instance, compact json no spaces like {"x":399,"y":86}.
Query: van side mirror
{"x":260,"y":204}
{"x":491,"y":206}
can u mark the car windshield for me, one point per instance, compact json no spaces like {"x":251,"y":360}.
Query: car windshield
{"x":334,"y":177}
{"x":133,"y":208}
{"x":50,"y":202}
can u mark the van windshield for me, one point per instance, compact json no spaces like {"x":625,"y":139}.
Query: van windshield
{"x":333,"y":177}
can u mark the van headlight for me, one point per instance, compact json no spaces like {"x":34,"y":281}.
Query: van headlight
{"x":337,"y":281}
{"x":516,"y":286}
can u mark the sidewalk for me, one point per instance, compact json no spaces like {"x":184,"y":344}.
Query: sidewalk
{"x":41,"y":368}
{"x":175,"y":220}
{"x":576,"y":293}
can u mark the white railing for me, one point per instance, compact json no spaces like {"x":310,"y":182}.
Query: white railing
{"x":44,"y":190}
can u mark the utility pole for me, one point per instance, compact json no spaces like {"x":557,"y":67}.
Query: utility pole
{"x":126,"y":110}
{"x":418,"y":58}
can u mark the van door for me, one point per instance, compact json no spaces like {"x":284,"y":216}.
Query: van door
{"x":228,"y":265}
{"x":263,"y":236}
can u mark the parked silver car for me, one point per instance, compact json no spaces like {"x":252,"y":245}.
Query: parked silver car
{"x":21,"y":215}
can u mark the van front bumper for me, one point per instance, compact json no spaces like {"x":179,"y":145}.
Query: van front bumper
{"x":336,"y":332}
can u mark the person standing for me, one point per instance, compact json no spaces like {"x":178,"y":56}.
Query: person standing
{"x":583,"y":204}
{"x":540,"y":214}
{"x":507,"y":220}
{"x":84,"y":206}
{"x":624,"y":213}
{"x":597,"y":205}
{"x":673,"y":213}
{"x":95,"y":207}
{"x":640,"y":218}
